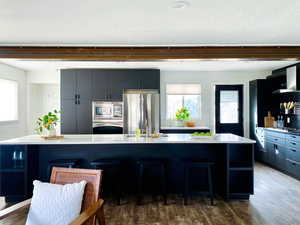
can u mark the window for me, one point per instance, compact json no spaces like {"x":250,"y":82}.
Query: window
{"x":229,"y":103}
{"x":9,"y":100}
{"x":183,"y":95}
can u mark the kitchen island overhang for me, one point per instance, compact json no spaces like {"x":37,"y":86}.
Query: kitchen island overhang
{"x":233,"y":157}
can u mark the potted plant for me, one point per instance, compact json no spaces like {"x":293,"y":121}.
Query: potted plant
{"x":48,"y":122}
{"x":182,"y":115}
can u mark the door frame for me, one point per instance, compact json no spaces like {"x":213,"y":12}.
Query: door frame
{"x":245,"y":103}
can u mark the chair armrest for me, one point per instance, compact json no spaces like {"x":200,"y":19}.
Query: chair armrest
{"x":14,"y":209}
{"x":94,"y":210}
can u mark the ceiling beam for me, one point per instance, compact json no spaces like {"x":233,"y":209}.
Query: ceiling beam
{"x":152,"y":53}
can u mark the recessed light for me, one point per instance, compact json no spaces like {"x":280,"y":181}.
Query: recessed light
{"x":180,"y":4}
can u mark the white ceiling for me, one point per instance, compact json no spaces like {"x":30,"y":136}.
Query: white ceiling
{"x":144,"y":22}
{"x":184,"y":65}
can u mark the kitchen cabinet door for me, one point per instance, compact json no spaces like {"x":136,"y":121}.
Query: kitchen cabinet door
{"x":84,"y":84}
{"x":150,"y":79}
{"x":68,"y":117}
{"x":121,"y":80}
{"x":271,"y":153}
{"x":100,"y":84}
{"x":84,"y":117}
{"x":68,"y":84}
{"x":281,"y":158}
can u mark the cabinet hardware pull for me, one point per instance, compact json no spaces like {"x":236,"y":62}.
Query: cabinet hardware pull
{"x":293,"y":143}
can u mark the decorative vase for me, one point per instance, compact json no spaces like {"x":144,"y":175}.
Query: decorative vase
{"x":52,"y":132}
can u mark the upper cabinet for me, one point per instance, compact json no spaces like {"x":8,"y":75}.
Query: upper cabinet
{"x":109,"y":84}
{"x":76,"y":83}
{"x":150,"y":79}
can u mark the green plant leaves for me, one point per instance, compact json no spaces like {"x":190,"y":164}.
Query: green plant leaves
{"x":48,"y":121}
{"x":182,"y":114}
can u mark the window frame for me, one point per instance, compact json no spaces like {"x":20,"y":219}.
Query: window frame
{"x":6,"y":122}
{"x":183,"y":83}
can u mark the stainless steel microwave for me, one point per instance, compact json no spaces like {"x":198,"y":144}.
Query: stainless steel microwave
{"x":105,"y":111}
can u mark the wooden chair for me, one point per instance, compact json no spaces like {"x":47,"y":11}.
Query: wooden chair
{"x":92,"y":206}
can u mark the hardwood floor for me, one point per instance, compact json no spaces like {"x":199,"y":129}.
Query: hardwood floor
{"x":276,"y":202}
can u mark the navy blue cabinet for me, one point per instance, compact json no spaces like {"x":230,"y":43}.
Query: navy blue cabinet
{"x":76,"y":101}
{"x":79,"y":87}
{"x":283,"y":152}
{"x":276,"y":148}
{"x":109,"y":84}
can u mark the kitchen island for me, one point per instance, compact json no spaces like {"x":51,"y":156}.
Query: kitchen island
{"x":25,"y":159}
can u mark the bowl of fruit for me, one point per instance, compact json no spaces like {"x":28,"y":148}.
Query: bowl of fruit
{"x":202,"y":135}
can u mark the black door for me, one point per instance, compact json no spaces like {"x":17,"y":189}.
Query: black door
{"x":229,"y":109}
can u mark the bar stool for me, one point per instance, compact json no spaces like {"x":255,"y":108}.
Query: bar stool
{"x":110,"y":164}
{"x":142,"y":164}
{"x":69,"y":163}
{"x":190,"y":164}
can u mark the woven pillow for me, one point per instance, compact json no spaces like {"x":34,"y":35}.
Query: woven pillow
{"x":55,"y":204}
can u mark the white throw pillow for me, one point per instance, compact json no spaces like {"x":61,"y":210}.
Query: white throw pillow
{"x":55,"y":204}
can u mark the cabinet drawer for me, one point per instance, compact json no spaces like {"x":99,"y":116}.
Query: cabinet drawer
{"x":275,"y":140}
{"x":293,"y":138}
{"x":293,"y":154}
{"x":275,"y":134}
{"x":293,"y":168}
{"x":293,"y":144}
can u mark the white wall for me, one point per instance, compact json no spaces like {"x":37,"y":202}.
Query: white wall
{"x":42,"y":98}
{"x":43,"y":95}
{"x":47,"y":76}
{"x":207,"y":81}
{"x":16,"y":128}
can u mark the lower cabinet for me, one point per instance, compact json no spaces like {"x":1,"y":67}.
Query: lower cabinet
{"x":276,"y":155}
{"x":283,"y":152}
{"x":15,"y":180}
{"x":293,"y":167}
{"x":76,"y":118}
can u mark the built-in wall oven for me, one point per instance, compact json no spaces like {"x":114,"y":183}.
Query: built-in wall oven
{"x":107,"y":117}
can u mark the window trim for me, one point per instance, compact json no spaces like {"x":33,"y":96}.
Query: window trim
{"x":14,"y":121}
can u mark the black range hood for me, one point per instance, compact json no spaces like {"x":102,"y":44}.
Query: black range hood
{"x":293,"y":81}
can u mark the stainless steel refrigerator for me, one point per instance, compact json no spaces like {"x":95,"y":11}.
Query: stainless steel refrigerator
{"x":141,"y":111}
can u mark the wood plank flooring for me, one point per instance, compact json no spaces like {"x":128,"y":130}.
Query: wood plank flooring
{"x":276,"y":202}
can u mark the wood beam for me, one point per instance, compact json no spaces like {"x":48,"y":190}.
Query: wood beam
{"x":151,"y":53}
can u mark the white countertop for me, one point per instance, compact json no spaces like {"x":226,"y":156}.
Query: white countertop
{"x":122,"y":139}
{"x":184,"y":128}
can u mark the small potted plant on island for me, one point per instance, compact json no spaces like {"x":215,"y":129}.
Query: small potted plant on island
{"x":48,"y":123}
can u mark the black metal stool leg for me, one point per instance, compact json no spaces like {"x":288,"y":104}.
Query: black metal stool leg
{"x":163,"y":183}
{"x":118,"y":184}
{"x":140,"y":183}
{"x":210,"y":183}
{"x":186,"y":185}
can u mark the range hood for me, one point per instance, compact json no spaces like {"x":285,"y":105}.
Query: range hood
{"x":292,"y":81}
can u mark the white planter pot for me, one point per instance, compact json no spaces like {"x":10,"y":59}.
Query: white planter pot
{"x":52,"y":132}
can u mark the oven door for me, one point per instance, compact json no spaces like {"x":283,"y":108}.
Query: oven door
{"x":108,"y":128}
